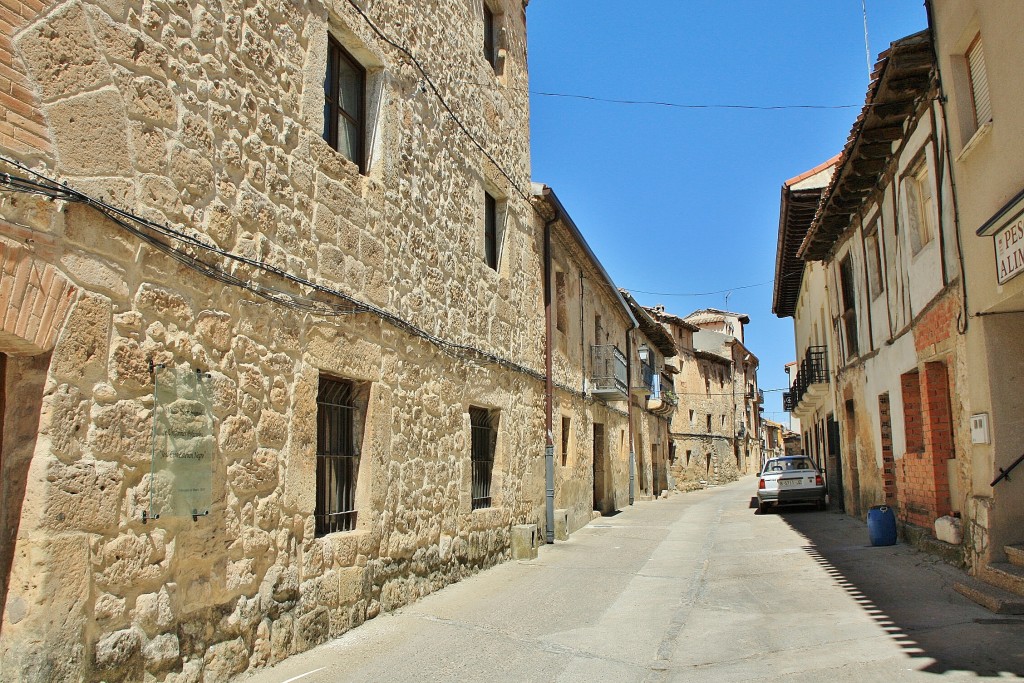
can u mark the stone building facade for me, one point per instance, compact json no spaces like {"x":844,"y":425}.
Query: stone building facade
{"x":715,"y":425}
{"x":979,"y":60}
{"x":877,"y":391}
{"x":380,"y":284}
{"x":591,"y":333}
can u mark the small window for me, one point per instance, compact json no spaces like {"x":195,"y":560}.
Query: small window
{"x":484,"y":439}
{"x":849,"y":311}
{"x":691,"y":418}
{"x":490,"y":231}
{"x":337,"y":457}
{"x":566,"y":424}
{"x":344,"y":104}
{"x":490,"y":36}
{"x":688,"y":454}
{"x":709,"y":422}
{"x":919,"y":206}
{"x":723,"y":420}
{"x":874,"y":261}
{"x":561,"y":306}
{"x":978,"y":75}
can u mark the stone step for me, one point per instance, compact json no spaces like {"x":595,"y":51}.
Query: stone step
{"x":1004,"y":575}
{"x":996,"y":600}
{"x":1015,"y":553}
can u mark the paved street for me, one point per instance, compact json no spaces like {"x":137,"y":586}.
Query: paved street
{"x":693,"y":588}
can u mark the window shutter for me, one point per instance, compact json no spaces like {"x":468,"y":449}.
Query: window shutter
{"x":979,"y":83}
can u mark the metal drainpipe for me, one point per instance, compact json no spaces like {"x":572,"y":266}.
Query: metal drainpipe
{"x":549,"y":446}
{"x":629,"y":415}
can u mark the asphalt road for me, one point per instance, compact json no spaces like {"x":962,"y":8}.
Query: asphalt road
{"x":693,"y":588}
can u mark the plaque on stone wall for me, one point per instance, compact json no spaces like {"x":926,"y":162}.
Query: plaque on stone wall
{"x":183,"y":444}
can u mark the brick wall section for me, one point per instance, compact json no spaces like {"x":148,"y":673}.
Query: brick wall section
{"x":34,"y":300}
{"x":22,"y":127}
{"x":937,"y":325}
{"x":910,"y":383}
{"x":922,"y":475}
{"x":888,"y":461}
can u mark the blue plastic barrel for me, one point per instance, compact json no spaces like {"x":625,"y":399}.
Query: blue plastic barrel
{"x":882,"y":525}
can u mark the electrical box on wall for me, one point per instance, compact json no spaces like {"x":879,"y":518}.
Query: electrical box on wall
{"x":979,"y":428}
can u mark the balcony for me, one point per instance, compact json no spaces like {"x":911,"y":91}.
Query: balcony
{"x":811,"y":381}
{"x":608,"y":376}
{"x":662,"y":400}
{"x":645,"y":379}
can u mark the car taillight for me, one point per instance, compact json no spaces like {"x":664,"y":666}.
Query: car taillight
{"x":818,"y":481}
{"x":760,"y":484}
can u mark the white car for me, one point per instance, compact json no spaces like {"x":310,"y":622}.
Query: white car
{"x":790,"y":480}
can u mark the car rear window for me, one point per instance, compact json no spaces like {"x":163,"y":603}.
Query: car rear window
{"x":788,"y":465}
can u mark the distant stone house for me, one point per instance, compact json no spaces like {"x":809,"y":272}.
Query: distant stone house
{"x":653,"y":400}
{"x":273,"y":359}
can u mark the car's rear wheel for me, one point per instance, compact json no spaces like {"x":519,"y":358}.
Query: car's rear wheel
{"x":761,"y":508}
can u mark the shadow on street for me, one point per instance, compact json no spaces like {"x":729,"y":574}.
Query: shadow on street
{"x":910,"y":595}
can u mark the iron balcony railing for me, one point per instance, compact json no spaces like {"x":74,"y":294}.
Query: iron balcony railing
{"x":645,"y":380}
{"x":666,"y":392}
{"x":608,"y":373}
{"x":813,"y":370}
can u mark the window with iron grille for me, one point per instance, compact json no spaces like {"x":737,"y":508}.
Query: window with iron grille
{"x":337,"y":456}
{"x":484,"y":439}
{"x":345,"y":103}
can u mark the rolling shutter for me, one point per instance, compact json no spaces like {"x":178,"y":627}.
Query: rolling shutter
{"x":979,"y":83}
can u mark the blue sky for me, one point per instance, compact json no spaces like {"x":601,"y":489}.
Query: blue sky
{"x":687,"y":200}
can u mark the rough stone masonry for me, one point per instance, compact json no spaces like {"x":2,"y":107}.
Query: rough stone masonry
{"x":208,"y":117}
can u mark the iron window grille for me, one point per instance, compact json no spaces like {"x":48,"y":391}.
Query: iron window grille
{"x":337,"y":457}
{"x":484,"y":439}
{"x":345,"y":104}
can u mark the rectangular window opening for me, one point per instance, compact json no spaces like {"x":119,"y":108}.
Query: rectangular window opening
{"x":337,"y":456}
{"x":345,"y":104}
{"x":849,"y":311}
{"x":978,"y":76}
{"x":490,"y":36}
{"x":484,"y":440}
{"x":566,"y":424}
{"x":491,"y":231}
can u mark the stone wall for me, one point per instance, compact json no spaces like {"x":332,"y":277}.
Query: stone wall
{"x":704,"y":388}
{"x":208,"y":118}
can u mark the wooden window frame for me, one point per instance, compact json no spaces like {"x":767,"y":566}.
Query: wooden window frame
{"x":336,"y":54}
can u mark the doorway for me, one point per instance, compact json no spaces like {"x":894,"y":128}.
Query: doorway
{"x":600,"y":469}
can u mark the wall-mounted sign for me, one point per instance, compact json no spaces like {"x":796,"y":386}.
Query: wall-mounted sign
{"x":1006,"y":228}
{"x":1010,"y":250}
{"x":183,"y":444}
